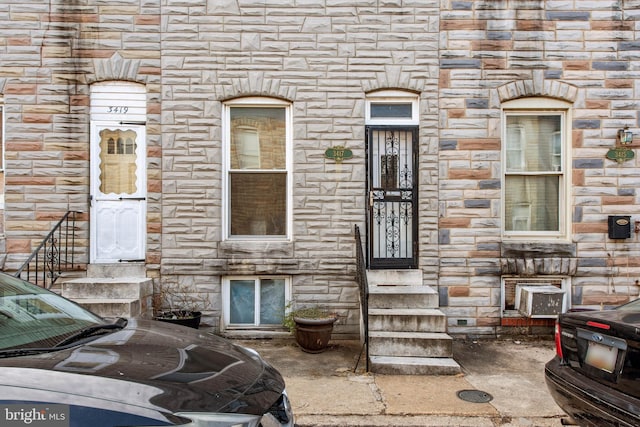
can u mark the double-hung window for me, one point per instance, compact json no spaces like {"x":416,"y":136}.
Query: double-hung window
{"x":257,"y":140}
{"x":535,"y":168}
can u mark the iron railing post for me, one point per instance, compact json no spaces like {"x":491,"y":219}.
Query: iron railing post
{"x":47,"y":259}
{"x":363,"y":285}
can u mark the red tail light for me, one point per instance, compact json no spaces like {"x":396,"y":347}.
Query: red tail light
{"x":598,"y":325}
{"x":558,"y":339}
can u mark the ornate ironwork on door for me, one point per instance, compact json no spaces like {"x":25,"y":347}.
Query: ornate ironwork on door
{"x":392,"y":189}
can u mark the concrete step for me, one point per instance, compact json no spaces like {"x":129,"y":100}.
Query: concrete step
{"x":113,"y":307}
{"x":414,"y":365}
{"x":394,"y":277}
{"x":407,"y":330}
{"x":93,"y":287}
{"x":109,"y":297}
{"x":412,"y":344}
{"x":125,"y":269}
{"x":407,"y":320}
{"x":402,"y":296}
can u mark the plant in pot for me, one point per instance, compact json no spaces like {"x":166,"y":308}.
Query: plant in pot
{"x":311,"y":326}
{"x":180,"y":305}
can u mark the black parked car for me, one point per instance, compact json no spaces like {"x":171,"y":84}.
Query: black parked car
{"x":61,"y":365}
{"x":595,"y":375}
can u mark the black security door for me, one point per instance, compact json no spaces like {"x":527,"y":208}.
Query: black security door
{"x":392,"y":191}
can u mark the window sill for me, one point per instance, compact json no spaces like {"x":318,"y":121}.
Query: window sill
{"x":537,"y":249}
{"x":257,"y":238}
{"x":255,"y":333}
{"x":257,"y":248}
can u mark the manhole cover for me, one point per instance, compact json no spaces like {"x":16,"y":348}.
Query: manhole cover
{"x":475,"y":396}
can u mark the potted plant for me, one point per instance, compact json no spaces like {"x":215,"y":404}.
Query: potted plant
{"x":312,"y":327}
{"x":180,"y":305}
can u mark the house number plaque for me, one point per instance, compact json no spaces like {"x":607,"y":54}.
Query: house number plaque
{"x":338,"y":153}
{"x":620,"y":154}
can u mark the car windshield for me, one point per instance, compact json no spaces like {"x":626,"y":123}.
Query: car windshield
{"x":631,"y":306}
{"x":32,"y":317}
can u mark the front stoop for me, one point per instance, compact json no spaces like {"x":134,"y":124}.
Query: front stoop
{"x":407,"y":330}
{"x":414,"y":365}
{"x":112,"y":291}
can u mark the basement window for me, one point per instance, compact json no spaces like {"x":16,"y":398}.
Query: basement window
{"x":511,"y":285}
{"x":255,"y":302}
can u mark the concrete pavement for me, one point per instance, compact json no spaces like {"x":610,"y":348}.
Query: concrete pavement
{"x":333,"y":389}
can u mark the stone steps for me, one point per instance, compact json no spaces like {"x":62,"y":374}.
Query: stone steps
{"x":411,"y":344}
{"x":111,"y":291}
{"x":414,"y":365}
{"x":112,"y":307}
{"x":408,"y":319}
{"x":407,"y":330}
{"x":402,"y":296}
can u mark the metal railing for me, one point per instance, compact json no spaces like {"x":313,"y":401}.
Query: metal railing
{"x":363,"y":285}
{"x":55,"y":254}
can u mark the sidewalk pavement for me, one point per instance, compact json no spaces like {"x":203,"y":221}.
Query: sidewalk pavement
{"x":333,"y":389}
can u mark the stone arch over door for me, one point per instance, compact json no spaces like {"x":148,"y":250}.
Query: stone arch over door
{"x":396,"y":77}
{"x":115,"y":68}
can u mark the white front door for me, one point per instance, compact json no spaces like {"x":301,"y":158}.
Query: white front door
{"x":118,"y":192}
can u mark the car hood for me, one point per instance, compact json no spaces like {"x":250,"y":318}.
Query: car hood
{"x":152,"y":365}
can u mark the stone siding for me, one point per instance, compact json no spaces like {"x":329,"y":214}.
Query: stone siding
{"x":584,"y":52}
{"x":323,"y":58}
{"x":463,"y":58}
{"x":50,"y":52}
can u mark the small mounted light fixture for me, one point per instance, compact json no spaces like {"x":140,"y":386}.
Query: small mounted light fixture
{"x":622,"y":152}
{"x":625,"y":136}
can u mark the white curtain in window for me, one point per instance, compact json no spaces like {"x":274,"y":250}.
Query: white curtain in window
{"x":533,"y":173}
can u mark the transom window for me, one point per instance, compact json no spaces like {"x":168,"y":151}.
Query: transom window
{"x":392,"y":107}
{"x":257,"y":146}
{"x":255,"y":301}
{"x":535,"y":175}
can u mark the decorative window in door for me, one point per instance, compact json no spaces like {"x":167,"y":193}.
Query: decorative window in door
{"x":534,"y":177}
{"x":117,"y":161}
{"x":257,"y":168}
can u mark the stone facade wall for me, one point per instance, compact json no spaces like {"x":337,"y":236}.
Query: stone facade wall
{"x":463,"y":58}
{"x":584,"y":52}
{"x":50,"y":52}
{"x":323,"y":57}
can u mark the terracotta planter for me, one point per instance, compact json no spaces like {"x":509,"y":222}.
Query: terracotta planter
{"x":184,"y":318}
{"x":313,"y":335}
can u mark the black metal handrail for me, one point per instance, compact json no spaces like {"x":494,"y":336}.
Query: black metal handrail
{"x":363,"y":285}
{"x":55,"y":254}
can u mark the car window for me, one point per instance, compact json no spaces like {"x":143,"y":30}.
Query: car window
{"x":34,"y":317}
{"x":631,"y":306}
